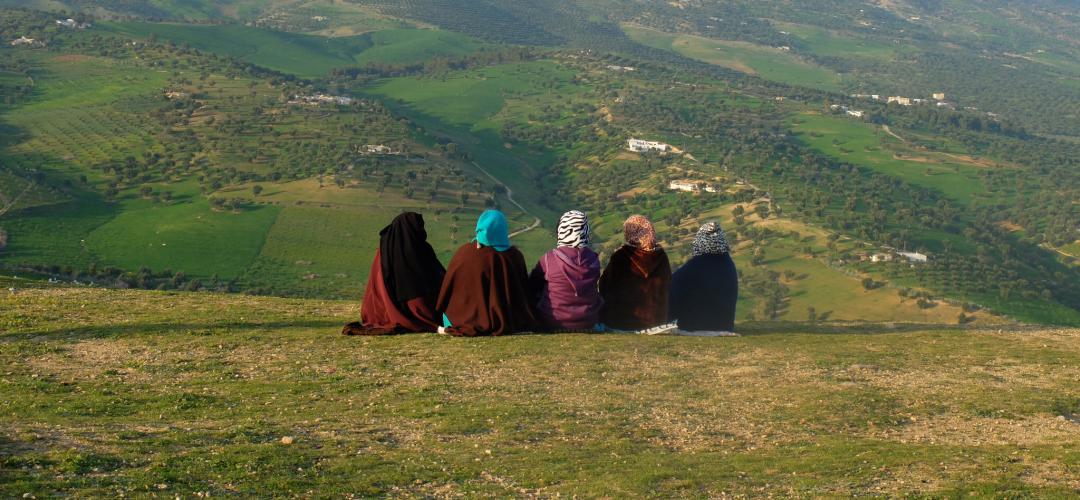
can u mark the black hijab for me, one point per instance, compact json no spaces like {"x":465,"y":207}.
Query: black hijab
{"x":410,"y":268}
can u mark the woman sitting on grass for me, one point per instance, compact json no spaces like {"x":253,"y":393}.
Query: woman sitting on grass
{"x":705,"y":289}
{"x":486,"y":287}
{"x":564,"y":281}
{"x":403,"y":284}
{"x":634,"y":285}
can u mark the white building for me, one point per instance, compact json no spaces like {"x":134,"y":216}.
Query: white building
{"x":938,"y":96}
{"x":22,"y":40}
{"x":71,"y":23}
{"x":855,"y":113}
{"x":881,"y":257}
{"x":640,"y":146}
{"x":613,"y":67}
{"x":903,"y":101}
{"x":377,"y":149}
{"x":683,"y":185}
{"x":914,"y":256}
{"x":317,"y":99}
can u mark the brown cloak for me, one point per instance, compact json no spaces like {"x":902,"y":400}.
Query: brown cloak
{"x":379,"y":315}
{"x":486,"y":292}
{"x":635,"y":288}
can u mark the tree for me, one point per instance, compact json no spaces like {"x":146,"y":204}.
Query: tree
{"x":256,"y":190}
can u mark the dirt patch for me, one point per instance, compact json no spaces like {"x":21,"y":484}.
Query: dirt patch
{"x":1010,"y":226}
{"x":73,"y":58}
{"x":977,"y":431}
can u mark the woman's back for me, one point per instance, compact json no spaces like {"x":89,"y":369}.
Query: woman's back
{"x":704,"y":292}
{"x":564,"y":282}
{"x":634,"y":287}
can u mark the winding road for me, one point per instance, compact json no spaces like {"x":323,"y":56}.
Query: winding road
{"x":510,"y":197}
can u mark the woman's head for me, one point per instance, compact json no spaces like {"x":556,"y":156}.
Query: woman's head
{"x":574,"y":229}
{"x":710,"y":240}
{"x":639,"y":232}
{"x":408,"y":226}
{"x":492,"y":230}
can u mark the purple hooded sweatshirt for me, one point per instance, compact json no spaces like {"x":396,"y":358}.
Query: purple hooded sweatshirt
{"x":563,"y":284}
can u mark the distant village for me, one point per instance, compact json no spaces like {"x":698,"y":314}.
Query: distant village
{"x":317,"y":99}
{"x":937,"y":98}
{"x":25,"y":41}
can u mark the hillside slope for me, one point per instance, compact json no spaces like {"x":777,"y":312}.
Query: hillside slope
{"x":109,"y":393}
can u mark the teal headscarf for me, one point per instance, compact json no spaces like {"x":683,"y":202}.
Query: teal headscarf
{"x":493,"y":231}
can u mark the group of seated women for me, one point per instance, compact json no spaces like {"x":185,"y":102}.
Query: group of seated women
{"x":488,"y":290}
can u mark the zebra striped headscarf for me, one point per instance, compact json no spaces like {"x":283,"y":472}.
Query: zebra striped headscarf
{"x":710,"y":240}
{"x":574,"y":229}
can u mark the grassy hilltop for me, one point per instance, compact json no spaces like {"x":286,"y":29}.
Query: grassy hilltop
{"x":109,"y":392}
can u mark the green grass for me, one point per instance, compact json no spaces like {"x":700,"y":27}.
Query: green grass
{"x":769,"y":63}
{"x":189,"y":237}
{"x":469,"y":107}
{"x":402,"y":46}
{"x":829,"y":43}
{"x":298,"y":54}
{"x":862,"y":144}
{"x":302,"y":54}
{"x":139,"y":393}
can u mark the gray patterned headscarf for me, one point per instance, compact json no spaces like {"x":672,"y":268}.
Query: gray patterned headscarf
{"x":574,"y":229}
{"x":710,"y":240}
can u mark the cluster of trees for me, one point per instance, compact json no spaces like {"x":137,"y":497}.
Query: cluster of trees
{"x":344,"y":77}
{"x":144,"y":278}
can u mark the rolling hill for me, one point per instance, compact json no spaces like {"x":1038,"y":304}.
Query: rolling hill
{"x":194,"y":131}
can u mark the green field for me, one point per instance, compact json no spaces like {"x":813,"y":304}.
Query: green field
{"x":863,"y":144}
{"x":188,"y":236}
{"x":830,"y":43}
{"x":769,"y":63}
{"x":301,"y":54}
{"x":110,"y":393}
{"x":469,"y":108}
{"x":402,"y":46}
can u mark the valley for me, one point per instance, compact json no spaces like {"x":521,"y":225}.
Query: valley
{"x":141,"y":147}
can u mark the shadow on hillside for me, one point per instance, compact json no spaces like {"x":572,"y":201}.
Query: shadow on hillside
{"x":332,"y":327}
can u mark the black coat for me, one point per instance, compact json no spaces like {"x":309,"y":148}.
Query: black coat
{"x":703,"y":294}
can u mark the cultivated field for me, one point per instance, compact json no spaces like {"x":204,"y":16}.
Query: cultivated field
{"x":109,"y":393}
{"x":770,"y":63}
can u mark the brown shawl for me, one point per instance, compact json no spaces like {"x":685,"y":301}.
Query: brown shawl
{"x":486,"y":292}
{"x":635,"y":288}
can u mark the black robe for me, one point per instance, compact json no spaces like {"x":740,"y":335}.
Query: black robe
{"x":704,"y":292}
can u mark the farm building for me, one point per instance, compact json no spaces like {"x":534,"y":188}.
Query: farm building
{"x":690,"y":186}
{"x":903,"y":101}
{"x":881,"y":257}
{"x":378,"y":149}
{"x":938,"y":96}
{"x":22,"y":40}
{"x":683,"y":185}
{"x":613,"y":67}
{"x":317,"y":99}
{"x":71,"y":23}
{"x":914,"y":256}
{"x":640,"y":146}
{"x":855,"y":113}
